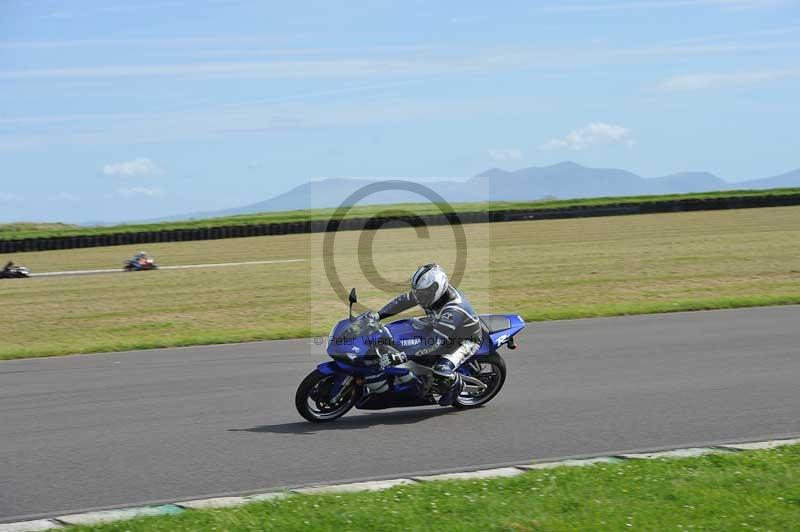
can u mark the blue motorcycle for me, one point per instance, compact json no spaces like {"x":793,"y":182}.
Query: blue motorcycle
{"x":363,"y":372}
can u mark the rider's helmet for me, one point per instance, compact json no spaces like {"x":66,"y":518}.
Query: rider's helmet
{"x":429,"y":284}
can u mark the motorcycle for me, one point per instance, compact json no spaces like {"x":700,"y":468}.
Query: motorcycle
{"x":135,"y":265}
{"x":362,"y":373}
{"x":15,"y":272}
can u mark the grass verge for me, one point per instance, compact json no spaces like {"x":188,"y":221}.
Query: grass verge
{"x":737,"y":491}
{"x":44,"y":230}
{"x":230,"y":337}
{"x":543,"y":270}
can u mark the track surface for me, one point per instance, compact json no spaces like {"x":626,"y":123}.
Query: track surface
{"x":96,"y":431}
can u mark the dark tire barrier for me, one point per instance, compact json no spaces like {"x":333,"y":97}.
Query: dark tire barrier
{"x":355,"y":224}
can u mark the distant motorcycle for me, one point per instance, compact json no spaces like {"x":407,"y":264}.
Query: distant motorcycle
{"x":362,"y":375}
{"x":15,"y":272}
{"x":136,"y":265}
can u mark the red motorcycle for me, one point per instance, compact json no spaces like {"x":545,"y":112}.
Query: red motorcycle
{"x":140,"y":264}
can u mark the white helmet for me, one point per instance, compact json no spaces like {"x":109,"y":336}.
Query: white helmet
{"x":428,"y":284}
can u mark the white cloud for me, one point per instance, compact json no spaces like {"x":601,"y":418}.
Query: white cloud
{"x":141,"y":166}
{"x":592,"y":133}
{"x":146,"y":192}
{"x":505,"y":154}
{"x":712,"y":80}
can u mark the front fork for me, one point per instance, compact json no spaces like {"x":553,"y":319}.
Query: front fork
{"x":338,"y":390}
{"x":341,"y":381}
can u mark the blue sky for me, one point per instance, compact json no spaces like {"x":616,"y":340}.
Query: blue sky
{"x":123,"y":110}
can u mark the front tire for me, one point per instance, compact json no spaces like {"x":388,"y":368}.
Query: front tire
{"x":491,"y":370}
{"x":313,"y":396}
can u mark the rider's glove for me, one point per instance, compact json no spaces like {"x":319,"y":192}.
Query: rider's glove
{"x":392,"y":358}
{"x":398,"y":358}
{"x":373,"y":316}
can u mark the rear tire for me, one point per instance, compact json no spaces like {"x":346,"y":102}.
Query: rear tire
{"x":313,"y":407}
{"x":493,"y":373}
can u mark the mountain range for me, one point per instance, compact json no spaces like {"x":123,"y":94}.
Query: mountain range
{"x":563,"y":181}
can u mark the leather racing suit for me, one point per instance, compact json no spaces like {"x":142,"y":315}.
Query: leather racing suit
{"x":456,"y":329}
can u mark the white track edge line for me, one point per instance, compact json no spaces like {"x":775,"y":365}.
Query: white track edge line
{"x":179,"y":267}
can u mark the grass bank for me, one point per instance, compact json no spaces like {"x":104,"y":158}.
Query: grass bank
{"x":43,"y":230}
{"x":543,"y":270}
{"x":743,"y":491}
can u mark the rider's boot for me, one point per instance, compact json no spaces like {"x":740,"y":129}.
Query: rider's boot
{"x":450,"y":383}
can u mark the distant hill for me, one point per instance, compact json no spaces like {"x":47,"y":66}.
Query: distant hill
{"x":565,"y":180}
{"x":690,"y":182}
{"x":789,"y":179}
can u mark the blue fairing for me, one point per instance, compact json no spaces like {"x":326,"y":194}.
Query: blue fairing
{"x":346,"y":341}
{"x":492,"y":342}
{"x":338,"y":367}
{"x":351,"y":341}
{"x":327,"y":368}
{"x":412,"y":339}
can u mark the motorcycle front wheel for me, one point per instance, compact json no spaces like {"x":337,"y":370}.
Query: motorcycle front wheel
{"x":313,"y":398}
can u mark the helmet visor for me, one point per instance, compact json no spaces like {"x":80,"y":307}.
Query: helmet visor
{"x":426,"y":296}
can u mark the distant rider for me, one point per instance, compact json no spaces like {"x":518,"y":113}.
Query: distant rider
{"x":455,"y":324}
{"x":140,"y":258}
{"x":8,"y":266}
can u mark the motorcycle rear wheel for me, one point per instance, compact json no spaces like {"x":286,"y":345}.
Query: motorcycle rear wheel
{"x":492,"y":372}
{"x":311,"y":396}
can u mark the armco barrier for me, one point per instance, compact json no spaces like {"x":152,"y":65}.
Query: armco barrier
{"x":350,"y":224}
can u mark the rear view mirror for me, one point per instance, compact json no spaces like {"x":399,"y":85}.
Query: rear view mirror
{"x":353,"y":299}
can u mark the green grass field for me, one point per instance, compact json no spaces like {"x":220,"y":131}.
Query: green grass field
{"x":542,"y":270}
{"x":744,"y":491}
{"x":37,"y":230}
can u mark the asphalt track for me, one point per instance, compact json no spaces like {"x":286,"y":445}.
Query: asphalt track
{"x":96,"y":431}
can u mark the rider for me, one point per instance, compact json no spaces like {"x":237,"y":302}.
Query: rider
{"x":455,"y":324}
{"x":8,"y":266}
{"x":140,"y":258}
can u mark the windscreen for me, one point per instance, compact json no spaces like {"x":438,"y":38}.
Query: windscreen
{"x":362,"y":326}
